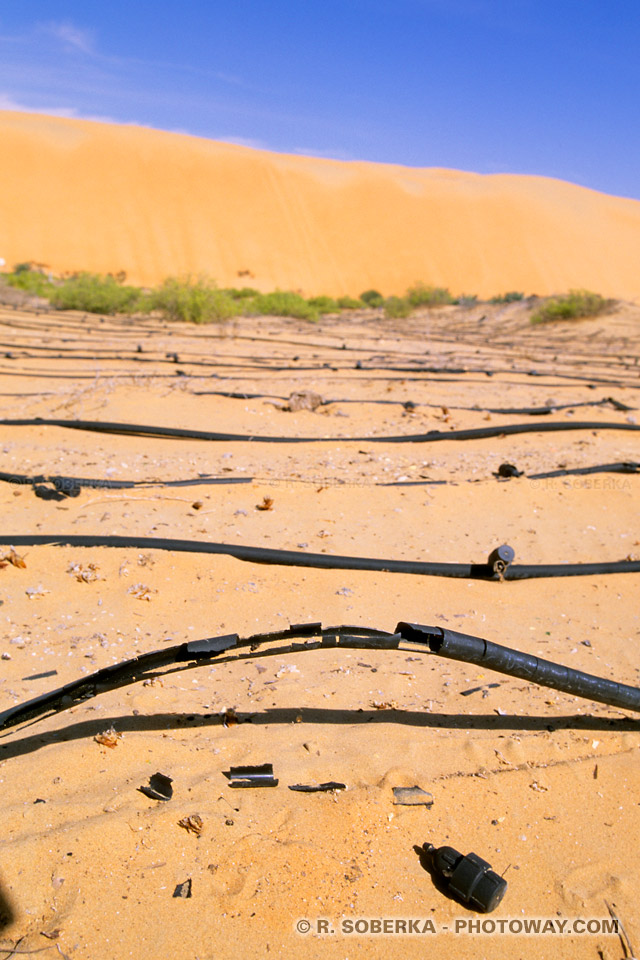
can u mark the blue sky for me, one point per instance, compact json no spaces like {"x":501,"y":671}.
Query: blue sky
{"x":548,"y":87}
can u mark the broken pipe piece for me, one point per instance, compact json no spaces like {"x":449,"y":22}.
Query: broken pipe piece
{"x":183,"y":890}
{"x":159,"y":787}
{"x":260,"y":776}
{"x":317,"y":787}
{"x":412,"y":797}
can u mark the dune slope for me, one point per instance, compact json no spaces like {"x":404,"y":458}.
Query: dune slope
{"x":85,"y":195}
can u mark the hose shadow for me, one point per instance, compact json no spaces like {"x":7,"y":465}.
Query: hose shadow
{"x":84,"y":729}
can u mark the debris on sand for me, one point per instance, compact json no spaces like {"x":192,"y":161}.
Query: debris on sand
{"x":256,"y":776}
{"x":141,"y":591}
{"x":159,"y":787}
{"x":412,"y":797}
{"x":35,"y":593}
{"x":302,"y":400}
{"x":317,"y":787}
{"x":183,"y":890}
{"x":230,"y":718}
{"x":108,"y":738}
{"x":192,"y":824}
{"x":83,"y":574}
{"x":13,"y":558}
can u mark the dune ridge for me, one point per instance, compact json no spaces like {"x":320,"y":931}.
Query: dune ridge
{"x":84,"y":195}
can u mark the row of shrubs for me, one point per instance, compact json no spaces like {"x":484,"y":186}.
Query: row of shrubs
{"x":200,"y":300}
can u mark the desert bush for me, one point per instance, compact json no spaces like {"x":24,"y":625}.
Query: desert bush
{"x":420,"y":295}
{"x":571,"y":306}
{"x":95,"y":294}
{"x":397,"y":307}
{"x":284,"y":303}
{"x":372,"y":298}
{"x":324,"y":304}
{"x":31,"y":281}
{"x":349,"y":303}
{"x":193,"y":299}
{"x":510,"y":297}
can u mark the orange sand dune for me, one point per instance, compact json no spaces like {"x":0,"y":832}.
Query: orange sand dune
{"x":83,"y":195}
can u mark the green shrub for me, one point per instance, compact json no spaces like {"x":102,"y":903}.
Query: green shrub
{"x":95,"y":294}
{"x":397,"y":307}
{"x":324,"y":304}
{"x":349,"y":303}
{"x":420,"y":295}
{"x":284,"y":303}
{"x":372,"y":298}
{"x":31,"y":281}
{"x":511,"y":297}
{"x":571,"y":306}
{"x":196,"y":300}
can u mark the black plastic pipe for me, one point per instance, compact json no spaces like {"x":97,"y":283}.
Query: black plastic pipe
{"x":70,"y":486}
{"x":476,"y":433}
{"x":436,"y":640}
{"x":493,"y":656}
{"x":65,"y":486}
{"x":297,"y":558}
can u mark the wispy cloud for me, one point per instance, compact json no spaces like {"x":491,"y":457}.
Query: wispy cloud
{"x":71,"y":36}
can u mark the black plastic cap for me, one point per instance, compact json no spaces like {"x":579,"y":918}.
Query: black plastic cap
{"x":501,"y":557}
{"x":469,"y":878}
{"x":488,"y":892}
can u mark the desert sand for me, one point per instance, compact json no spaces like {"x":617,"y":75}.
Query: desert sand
{"x":80,"y":195}
{"x":543,"y":785}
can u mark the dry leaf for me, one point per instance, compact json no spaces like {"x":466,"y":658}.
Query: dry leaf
{"x":83,"y":574}
{"x":109,"y":738}
{"x":193,"y":824}
{"x":540,"y":787}
{"x":141,"y":591}
{"x":384,"y":704}
{"x":267,"y":504}
{"x":15,"y":559}
{"x":230,"y":718}
{"x":34,"y":593}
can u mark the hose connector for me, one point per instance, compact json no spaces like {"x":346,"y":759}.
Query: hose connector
{"x":500,"y":559}
{"x":469,"y":878}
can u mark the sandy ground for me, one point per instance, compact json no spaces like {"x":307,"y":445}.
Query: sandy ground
{"x":89,"y":196}
{"x":541,"y":784}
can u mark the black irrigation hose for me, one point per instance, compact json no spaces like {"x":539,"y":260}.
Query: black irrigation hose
{"x":74,"y":375}
{"x":297,"y":558}
{"x":71,"y":486}
{"x":410,"y":405}
{"x":475,"y":433}
{"x":423,"y":639}
{"x":627,"y":466}
{"x":493,"y":656}
{"x":268,"y":367}
{"x":64,"y":486}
